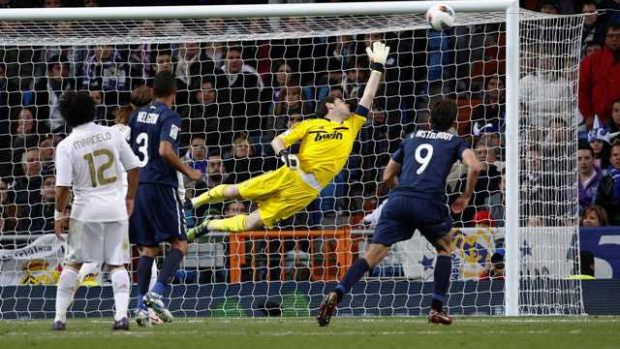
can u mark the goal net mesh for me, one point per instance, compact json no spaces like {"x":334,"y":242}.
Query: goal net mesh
{"x":243,"y":81}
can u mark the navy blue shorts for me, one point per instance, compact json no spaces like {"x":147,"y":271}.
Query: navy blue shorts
{"x":402,"y":215}
{"x":157,"y":217}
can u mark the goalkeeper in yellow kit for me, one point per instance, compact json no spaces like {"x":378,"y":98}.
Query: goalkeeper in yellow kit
{"x":326,"y":144}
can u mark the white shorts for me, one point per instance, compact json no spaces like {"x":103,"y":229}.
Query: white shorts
{"x":100,"y":242}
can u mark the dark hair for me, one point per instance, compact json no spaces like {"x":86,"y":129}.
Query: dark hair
{"x":141,"y":96}
{"x":56,"y":59}
{"x":165,"y":84}
{"x":585,"y":146}
{"x":600,"y":213}
{"x":321,"y":108}
{"x":77,"y":108}
{"x":443,"y":114}
{"x":613,"y":26}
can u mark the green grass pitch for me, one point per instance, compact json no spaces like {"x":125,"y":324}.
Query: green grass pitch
{"x":299,"y":333}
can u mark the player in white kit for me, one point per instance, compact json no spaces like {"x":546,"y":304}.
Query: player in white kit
{"x":91,"y":162}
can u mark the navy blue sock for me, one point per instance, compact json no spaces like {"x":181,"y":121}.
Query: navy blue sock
{"x":168,"y":268}
{"x":145,"y":263}
{"x":355,"y":273}
{"x":443,"y":268}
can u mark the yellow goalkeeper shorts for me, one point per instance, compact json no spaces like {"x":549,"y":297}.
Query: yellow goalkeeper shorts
{"x":279,"y":194}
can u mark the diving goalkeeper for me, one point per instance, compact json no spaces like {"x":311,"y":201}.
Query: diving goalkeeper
{"x":326,"y":143}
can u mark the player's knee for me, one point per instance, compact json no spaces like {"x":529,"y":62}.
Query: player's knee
{"x":443,"y":246}
{"x":376,"y":253}
{"x":232,"y":192}
{"x":149,"y":251}
{"x":180,"y":245}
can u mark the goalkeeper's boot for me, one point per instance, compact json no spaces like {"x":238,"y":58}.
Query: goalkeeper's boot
{"x":59,"y":326}
{"x":155,"y":302}
{"x":328,"y":306}
{"x":198,"y":231}
{"x":122,"y":324}
{"x":142,"y":317}
{"x":439,"y":317}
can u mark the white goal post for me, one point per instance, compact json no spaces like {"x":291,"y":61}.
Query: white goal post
{"x":513,"y":18}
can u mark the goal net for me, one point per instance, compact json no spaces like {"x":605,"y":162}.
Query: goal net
{"x":242,"y":81}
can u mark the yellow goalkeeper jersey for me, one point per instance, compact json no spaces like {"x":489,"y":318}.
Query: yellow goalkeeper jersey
{"x":325,"y":145}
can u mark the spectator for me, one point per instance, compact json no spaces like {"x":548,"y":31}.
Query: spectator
{"x":216,"y":173}
{"x":487,"y":184}
{"x":375,"y":145}
{"x":594,"y":216}
{"x":47,"y":145}
{"x":42,"y":213}
{"x":614,"y":123}
{"x":24,"y":135}
{"x":483,"y":219}
{"x":207,"y":115}
{"x":8,"y":210}
{"x":47,"y":92}
{"x":543,"y":92}
{"x":197,"y":154}
{"x":600,"y":141}
{"x":593,"y":30}
{"x":243,"y":163}
{"x":497,"y":267}
{"x":598,"y":79}
{"x":245,"y":87}
{"x":353,"y":82}
{"x":608,"y":194}
{"x":589,"y":177}
{"x":496,"y":203}
{"x":27,"y":187}
{"x":105,"y":70}
{"x":235,"y":208}
{"x":591,"y":48}
{"x":291,"y":102}
{"x":490,"y":115}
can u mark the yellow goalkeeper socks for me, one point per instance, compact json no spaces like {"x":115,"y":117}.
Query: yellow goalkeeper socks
{"x":212,"y":196}
{"x":233,"y":224}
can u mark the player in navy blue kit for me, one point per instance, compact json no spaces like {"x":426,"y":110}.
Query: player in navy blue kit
{"x":424,"y":160}
{"x":158,"y":216}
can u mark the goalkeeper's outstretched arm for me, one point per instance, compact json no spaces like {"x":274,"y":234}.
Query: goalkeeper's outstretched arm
{"x":377,"y":56}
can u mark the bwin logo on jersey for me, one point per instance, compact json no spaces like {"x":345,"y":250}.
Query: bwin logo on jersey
{"x":323,"y":135}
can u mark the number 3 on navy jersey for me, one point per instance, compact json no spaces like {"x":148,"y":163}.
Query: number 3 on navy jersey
{"x":143,"y":141}
{"x":423,"y":155}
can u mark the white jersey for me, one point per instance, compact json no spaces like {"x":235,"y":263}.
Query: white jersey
{"x":92,"y":160}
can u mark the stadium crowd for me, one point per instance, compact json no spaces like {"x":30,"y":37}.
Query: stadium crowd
{"x":234,"y":97}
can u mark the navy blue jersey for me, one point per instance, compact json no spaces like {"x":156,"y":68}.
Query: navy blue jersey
{"x":150,"y":125}
{"x":426,"y":158}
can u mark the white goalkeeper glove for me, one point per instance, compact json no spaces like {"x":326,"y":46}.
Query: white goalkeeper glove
{"x":378,"y":53}
{"x":291,"y":161}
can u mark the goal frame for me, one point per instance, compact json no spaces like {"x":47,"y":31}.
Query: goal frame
{"x":511,"y":8}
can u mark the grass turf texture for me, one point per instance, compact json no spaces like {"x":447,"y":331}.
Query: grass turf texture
{"x":299,"y":333}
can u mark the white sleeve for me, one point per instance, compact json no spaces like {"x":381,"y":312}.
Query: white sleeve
{"x":127,"y":157}
{"x":63,"y":167}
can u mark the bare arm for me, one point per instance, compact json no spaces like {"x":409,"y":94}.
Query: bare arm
{"x":371,"y":89}
{"x":62,"y":198}
{"x":473,"y":170}
{"x":60,"y":221}
{"x":390,"y":173}
{"x":170,"y":156}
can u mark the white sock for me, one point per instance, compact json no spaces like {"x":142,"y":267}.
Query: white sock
{"x":154,"y":274}
{"x":121,"y":288}
{"x":67,"y":284}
